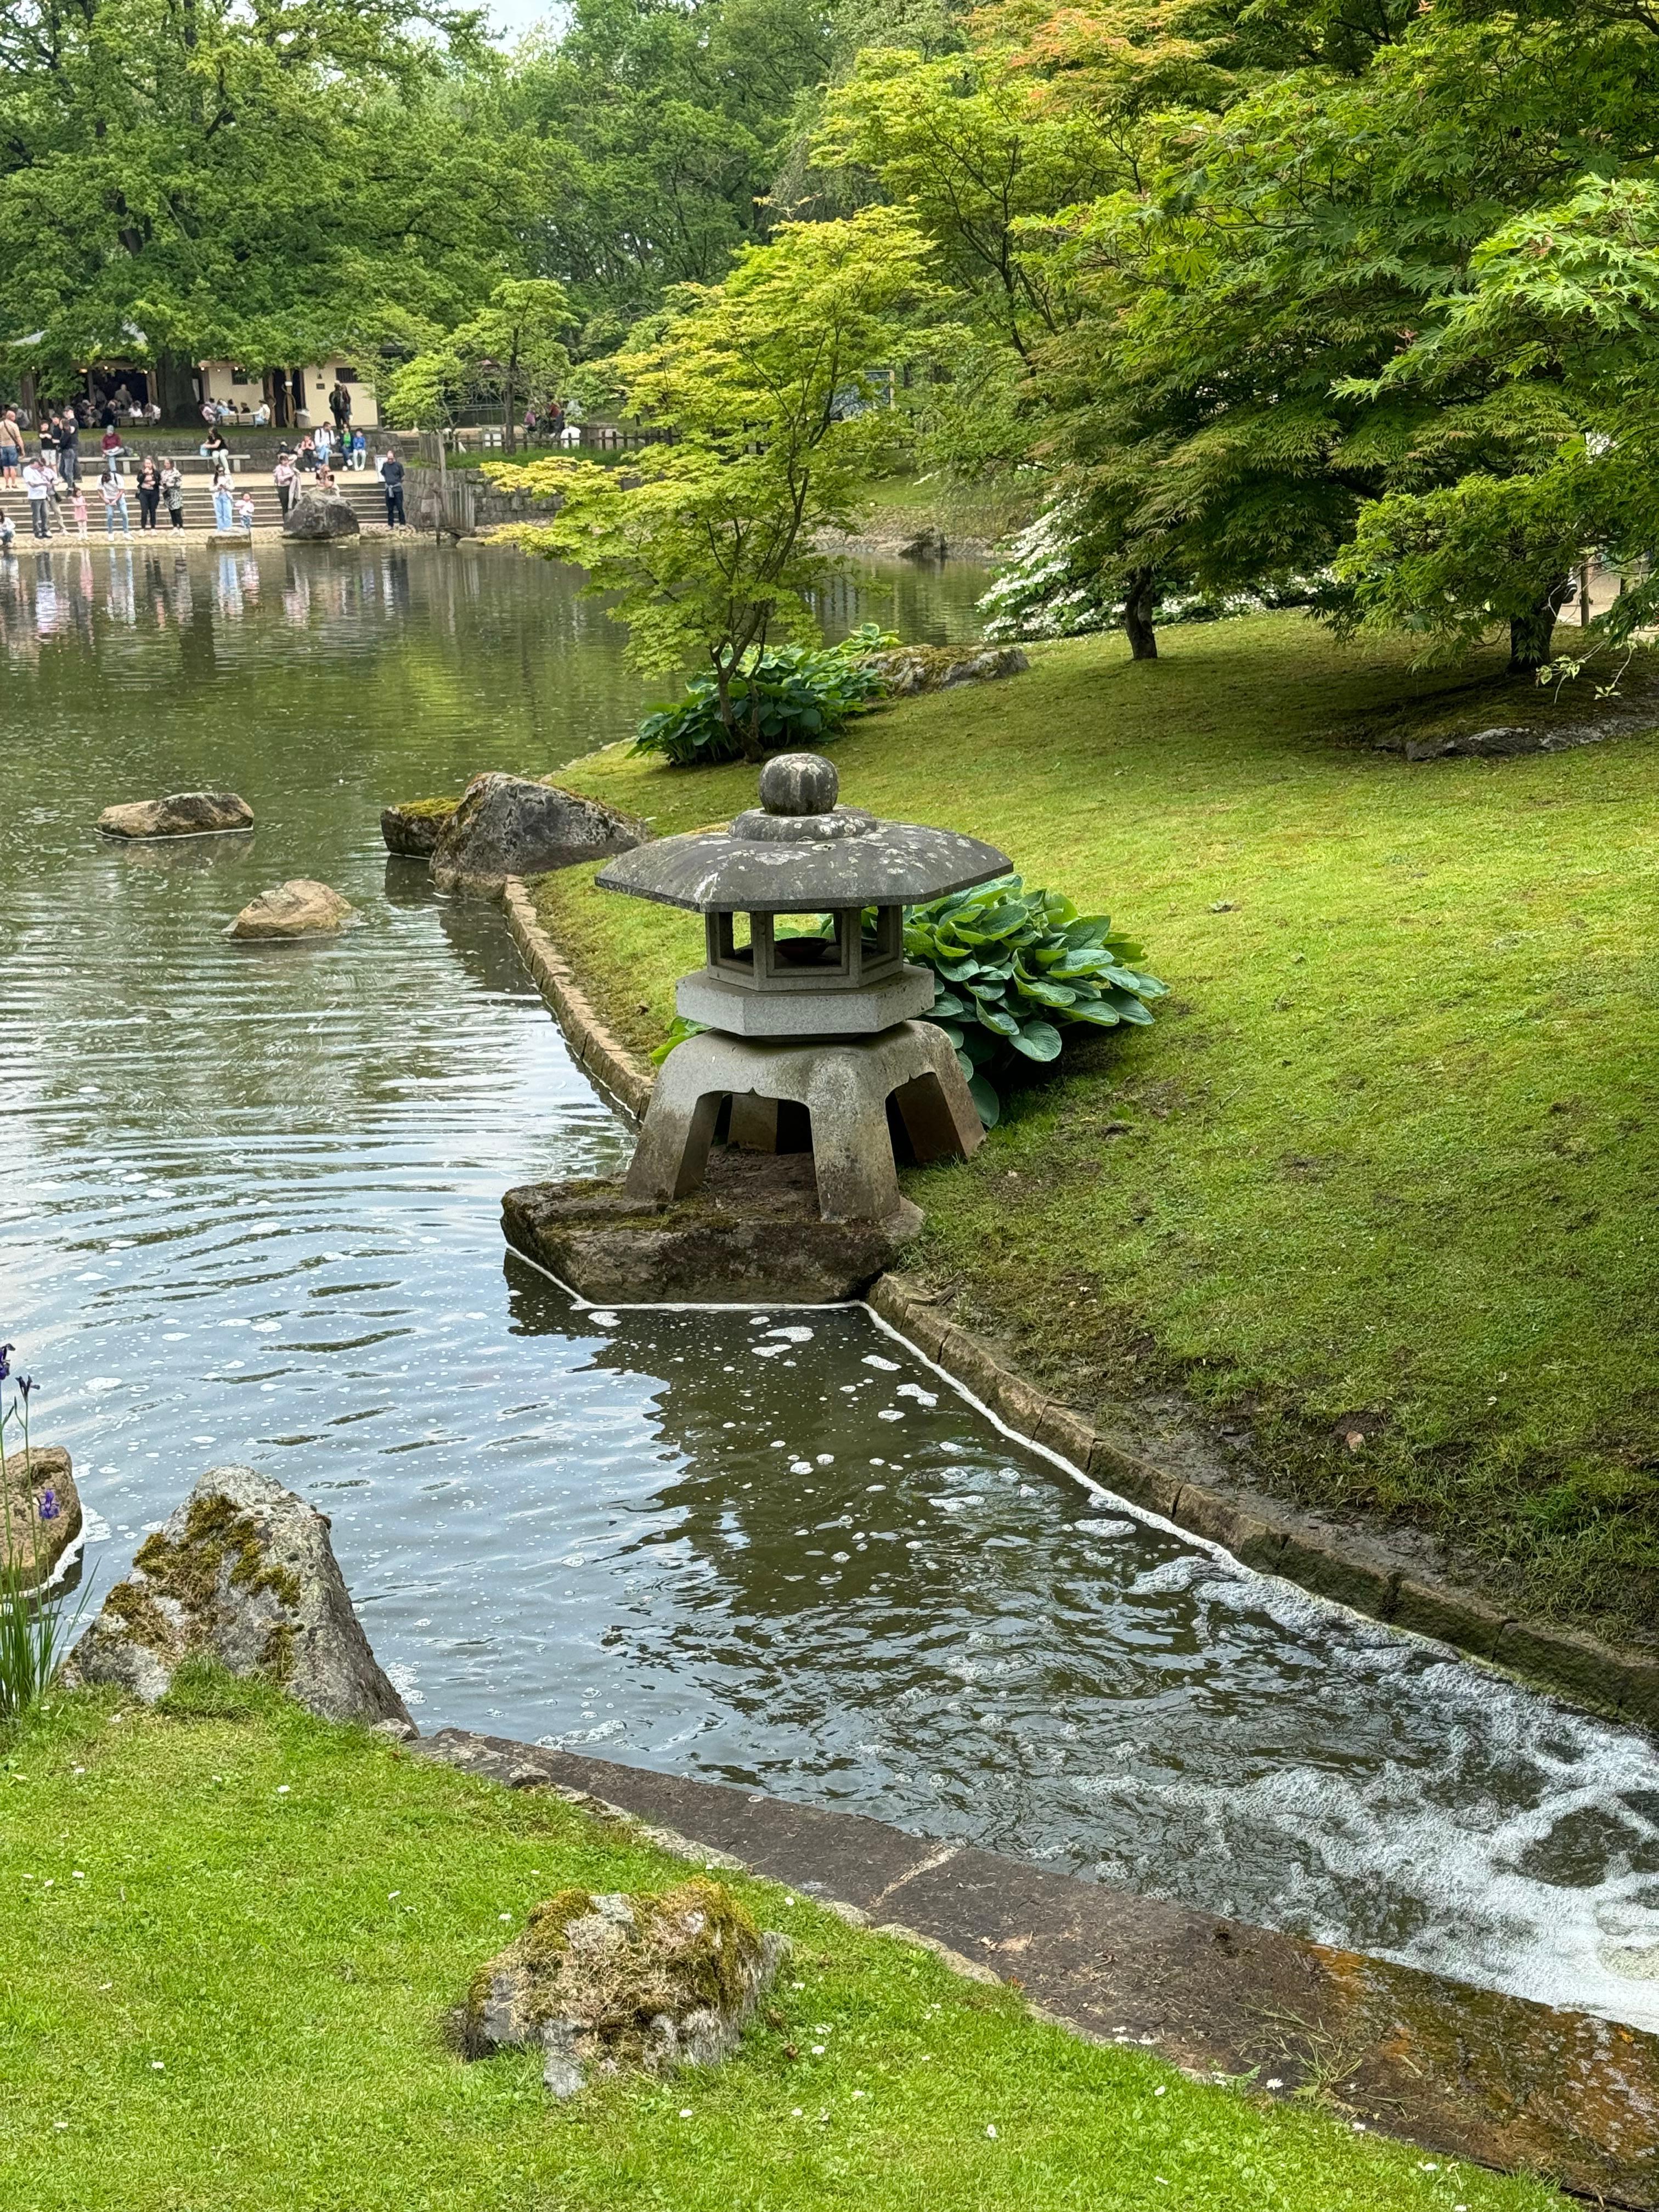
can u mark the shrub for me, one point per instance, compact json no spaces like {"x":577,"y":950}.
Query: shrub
{"x":794,"y":695}
{"x":1014,"y":967}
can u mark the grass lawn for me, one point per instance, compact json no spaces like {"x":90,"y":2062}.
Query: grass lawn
{"x":230,"y":1934}
{"x":1390,"y":1150}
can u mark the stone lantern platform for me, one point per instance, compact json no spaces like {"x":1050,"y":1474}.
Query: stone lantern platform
{"x":765,"y":1168}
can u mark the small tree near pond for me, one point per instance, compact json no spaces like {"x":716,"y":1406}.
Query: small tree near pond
{"x":764,"y":384}
{"x":512,"y":348}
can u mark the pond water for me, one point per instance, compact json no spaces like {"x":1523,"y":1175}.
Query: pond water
{"x":250,"y":1213}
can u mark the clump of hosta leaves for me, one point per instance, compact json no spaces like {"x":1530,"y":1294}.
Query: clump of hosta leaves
{"x":1015,"y":968}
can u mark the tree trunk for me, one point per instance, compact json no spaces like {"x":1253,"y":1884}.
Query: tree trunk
{"x":509,"y":408}
{"x":1139,"y":606}
{"x":175,"y":393}
{"x":1529,"y":638}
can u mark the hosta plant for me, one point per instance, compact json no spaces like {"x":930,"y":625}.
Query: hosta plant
{"x":1015,"y":968}
{"x":788,"y":695}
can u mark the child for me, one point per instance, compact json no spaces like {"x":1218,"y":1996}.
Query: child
{"x":358,"y":450}
{"x":245,"y":512}
{"x":8,"y":531}
{"x":78,"y":509}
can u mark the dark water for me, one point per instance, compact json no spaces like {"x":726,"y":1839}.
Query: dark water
{"x":250,"y":1213}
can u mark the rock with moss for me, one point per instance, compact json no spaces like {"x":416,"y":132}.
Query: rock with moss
{"x":413,"y":826}
{"x":243,"y":1573}
{"x":604,"y":1982}
{"x":909,"y":669}
{"x":40,"y":1512}
{"x":513,"y":825}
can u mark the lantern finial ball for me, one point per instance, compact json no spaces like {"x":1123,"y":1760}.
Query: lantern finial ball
{"x":798,"y":783}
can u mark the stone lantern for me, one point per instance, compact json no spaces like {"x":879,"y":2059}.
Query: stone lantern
{"x":809,"y":1034}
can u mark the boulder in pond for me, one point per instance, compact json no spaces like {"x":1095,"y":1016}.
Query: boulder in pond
{"x":39,"y":1511}
{"x":242,"y":1572}
{"x":316,"y":517}
{"x":514,"y":825}
{"x":184,"y":814}
{"x":613,"y":1981}
{"x":412,"y":828}
{"x":927,"y":544}
{"x":298,"y":909}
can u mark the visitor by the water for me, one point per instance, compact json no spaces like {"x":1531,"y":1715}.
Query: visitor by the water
{"x":214,"y":444}
{"x":113,"y":490}
{"x":306,"y":459}
{"x":150,"y":491}
{"x":283,"y":477}
{"x":323,"y":443}
{"x":11,"y":446}
{"x":78,"y":509}
{"x":8,"y":531}
{"x":173,"y":490}
{"x":339,"y":401}
{"x":244,"y":513}
{"x":67,"y":432}
{"x":224,"y":490}
{"x":358,"y":450}
{"x":40,"y":483}
{"x":392,"y":476}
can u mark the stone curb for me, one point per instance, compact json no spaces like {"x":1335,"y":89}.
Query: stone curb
{"x":1354,"y":1570}
{"x":1467,"y":2072}
{"x":593,"y":1049}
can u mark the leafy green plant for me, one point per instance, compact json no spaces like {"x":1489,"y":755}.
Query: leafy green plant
{"x":1014,"y":967}
{"x":34,"y":1633}
{"x":790,"y":694}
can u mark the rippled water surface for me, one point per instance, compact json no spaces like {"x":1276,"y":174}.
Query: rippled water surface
{"x":250,"y":1213}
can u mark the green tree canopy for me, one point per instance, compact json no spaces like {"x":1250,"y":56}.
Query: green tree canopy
{"x":766,"y":384}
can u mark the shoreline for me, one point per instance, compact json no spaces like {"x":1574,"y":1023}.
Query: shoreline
{"x":1375,"y":1571}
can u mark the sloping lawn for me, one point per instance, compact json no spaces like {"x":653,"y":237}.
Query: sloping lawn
{"x":229,"y":1940}
{"x":1391,"y":1150}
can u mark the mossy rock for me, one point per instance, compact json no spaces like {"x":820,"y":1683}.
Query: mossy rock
{"x":411,"y":827}
{"x":613,"y":1981}
{"x":40,"y":1512}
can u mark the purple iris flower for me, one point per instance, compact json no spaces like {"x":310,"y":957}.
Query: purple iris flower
{"x":25,"y":1384}
{"x":5,"y":1365}
{"x":48,"y":1505}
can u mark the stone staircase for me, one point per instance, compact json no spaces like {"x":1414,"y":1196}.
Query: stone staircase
{"x":359,"y":489}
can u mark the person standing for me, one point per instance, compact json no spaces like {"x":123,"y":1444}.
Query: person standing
{"x":245,"y":512}
{"x":113,"y":493}
{"x":173,"y":490}
{"x":11,"y":446}
{"x":38,"y":484}
{"x":392,"y":476}
{"x":339,"y":402}
{"x":224,"y":491}
{"x":150,"y":491}
{"x":78,"y":508}
{"x":69,"y":448}
{"x":283,"y":477}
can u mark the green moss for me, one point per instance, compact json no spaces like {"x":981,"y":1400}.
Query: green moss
{"x":1388,"y":1150}
{"x":188,"y":1570}
{"x":427,"y":810}
{"x":132,"y":1603}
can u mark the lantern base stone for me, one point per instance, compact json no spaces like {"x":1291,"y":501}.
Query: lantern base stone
{"x":752,"y":1235}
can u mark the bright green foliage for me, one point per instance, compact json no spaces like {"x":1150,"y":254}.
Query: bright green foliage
{"x":1014,"y":967}
{"x":284,"y":1914}
{"x":792,"y":695}
{"x":261,"y":184}
{"x":764,"y":383}
{"x":512,"y":350}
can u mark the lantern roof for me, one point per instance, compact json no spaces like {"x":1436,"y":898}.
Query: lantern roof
{"x":798,"y":852}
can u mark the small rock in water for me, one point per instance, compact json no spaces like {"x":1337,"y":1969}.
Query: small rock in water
{"x":42,"y":1512}
{"x":299,"y":909}
{"x":513,"y":825}
{"x":185,"y":814}
{"x":608,"y":1981}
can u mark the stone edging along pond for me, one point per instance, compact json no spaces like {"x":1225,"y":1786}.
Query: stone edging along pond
{"x":1272,"y":1538}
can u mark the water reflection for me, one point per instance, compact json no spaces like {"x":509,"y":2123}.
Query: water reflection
{"x":251,"y":1213}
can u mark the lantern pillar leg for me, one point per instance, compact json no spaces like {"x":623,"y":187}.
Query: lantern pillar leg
{"x":671,"y":1156}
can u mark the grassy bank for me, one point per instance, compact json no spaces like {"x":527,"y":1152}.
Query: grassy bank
{"x":231,"y":1934}
{"x":1384,"y":1165}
